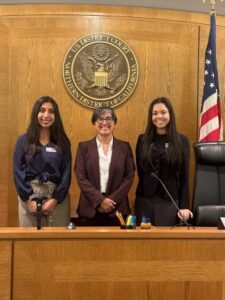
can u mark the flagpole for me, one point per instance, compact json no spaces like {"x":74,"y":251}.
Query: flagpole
{"x":211,"y":123}
{"x":213,"y":4}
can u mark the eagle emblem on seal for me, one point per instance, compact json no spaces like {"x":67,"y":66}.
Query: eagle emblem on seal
{"x":99,"y":72}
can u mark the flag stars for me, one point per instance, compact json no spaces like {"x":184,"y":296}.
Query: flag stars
{"x":210,"y":97}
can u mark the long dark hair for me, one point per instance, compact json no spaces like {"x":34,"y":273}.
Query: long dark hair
{"x":174,"y":153}
{"x":57,"y":133}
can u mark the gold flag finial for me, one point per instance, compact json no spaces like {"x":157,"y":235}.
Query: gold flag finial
{"x":213,"y":3}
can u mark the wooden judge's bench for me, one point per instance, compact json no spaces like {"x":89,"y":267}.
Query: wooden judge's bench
{"x":110,"y":263}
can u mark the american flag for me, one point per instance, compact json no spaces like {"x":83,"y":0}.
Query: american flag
{"x":211,"y":126}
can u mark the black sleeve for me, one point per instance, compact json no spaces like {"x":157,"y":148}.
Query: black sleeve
{"x":138,"y":146}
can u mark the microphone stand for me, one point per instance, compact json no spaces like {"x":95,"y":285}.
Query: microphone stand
{"x":39,"y":212}
{"x":182,"y":222}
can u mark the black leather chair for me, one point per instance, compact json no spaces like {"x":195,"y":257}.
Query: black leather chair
{"x":209,"y":186}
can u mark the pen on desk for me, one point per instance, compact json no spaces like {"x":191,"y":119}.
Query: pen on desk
{"x":120,"y":217}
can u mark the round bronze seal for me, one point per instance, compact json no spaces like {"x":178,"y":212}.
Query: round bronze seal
{"x":100,"y":70}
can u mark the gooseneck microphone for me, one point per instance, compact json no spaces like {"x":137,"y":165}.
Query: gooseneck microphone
{"x":182,"y":222}
{"x":168,"y":193}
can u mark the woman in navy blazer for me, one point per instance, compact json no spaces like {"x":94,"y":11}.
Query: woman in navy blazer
{"x":104,"y":169}
{"x":42,"y":166}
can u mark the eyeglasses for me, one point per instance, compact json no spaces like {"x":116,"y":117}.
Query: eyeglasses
{"x":101,"y":120}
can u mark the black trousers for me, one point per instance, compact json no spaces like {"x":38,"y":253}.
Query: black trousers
{"x":161,"y":212}
{"x":100,"y":219}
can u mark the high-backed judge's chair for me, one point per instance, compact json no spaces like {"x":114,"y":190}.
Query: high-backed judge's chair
{"x":209,"y":186}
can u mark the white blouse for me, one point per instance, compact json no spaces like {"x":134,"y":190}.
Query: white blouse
{"x":104,"y":164}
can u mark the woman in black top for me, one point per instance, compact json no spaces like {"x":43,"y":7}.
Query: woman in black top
{"x":42,"y":166}
{"x":163,"y":151}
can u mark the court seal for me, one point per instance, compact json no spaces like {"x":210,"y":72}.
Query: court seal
{"x":100,"y":70}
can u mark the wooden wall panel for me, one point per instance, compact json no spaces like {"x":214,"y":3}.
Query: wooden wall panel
{"x":4,"y":127}
{"x":34,"y":42}
{"x":119,"y":269}
{"x":5,"y":269}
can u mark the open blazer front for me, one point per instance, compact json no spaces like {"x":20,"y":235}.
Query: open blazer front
{"x":121,"y":175}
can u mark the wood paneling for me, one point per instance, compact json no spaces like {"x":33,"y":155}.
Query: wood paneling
{"x":109,"y":263}
{"x":5,"y":269}
{"x":34,"y":41}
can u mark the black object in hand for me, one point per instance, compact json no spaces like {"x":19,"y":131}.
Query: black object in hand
{"x":39,"y":212}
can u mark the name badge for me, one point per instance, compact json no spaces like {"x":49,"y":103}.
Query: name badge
{"x":50,"y":149}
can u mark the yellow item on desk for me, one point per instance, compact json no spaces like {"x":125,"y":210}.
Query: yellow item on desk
{"x":128,"y":220}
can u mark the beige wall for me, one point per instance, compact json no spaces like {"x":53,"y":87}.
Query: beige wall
{"x":169,"y":47}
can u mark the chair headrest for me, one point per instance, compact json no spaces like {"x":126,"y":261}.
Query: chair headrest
{"x":210,"y":153}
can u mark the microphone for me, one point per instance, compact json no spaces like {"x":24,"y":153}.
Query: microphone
{"x":39,"y":213}
{"x":171,"y":198}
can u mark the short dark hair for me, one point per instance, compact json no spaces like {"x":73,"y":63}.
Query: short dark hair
{"x":99,"y":111}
